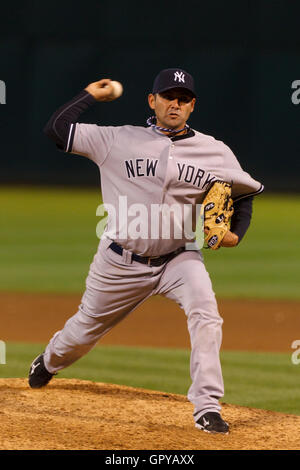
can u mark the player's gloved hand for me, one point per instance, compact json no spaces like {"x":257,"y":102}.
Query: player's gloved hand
{"x":102,"y":90}
{"x":218,"y":209}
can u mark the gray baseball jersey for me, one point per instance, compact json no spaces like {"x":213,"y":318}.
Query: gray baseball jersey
{"x":149,"y":168}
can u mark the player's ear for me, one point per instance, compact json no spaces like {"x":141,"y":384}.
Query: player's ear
{"x":151,"y":100}
{"x":193,"y":104}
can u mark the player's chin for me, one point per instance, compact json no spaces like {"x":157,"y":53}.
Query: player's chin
{"x":174,"y":122}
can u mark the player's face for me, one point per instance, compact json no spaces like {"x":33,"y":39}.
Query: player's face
{"x":172,"y":107}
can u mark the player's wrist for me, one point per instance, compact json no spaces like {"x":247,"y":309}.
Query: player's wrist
{"x":91,"y":91}
{"x":230,"y":239}
{"x":235,"y":237}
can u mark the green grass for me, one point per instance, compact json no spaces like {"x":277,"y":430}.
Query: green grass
{"x":48,"y":240}
{"x":260,"y":380}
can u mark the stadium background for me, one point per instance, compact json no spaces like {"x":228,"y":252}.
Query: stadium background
{"x":244,"y":56}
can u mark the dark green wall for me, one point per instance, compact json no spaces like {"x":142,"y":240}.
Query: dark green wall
{"x":244,"y":56}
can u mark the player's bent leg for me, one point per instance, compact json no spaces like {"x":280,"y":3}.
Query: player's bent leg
{"x":187,"y":282}
{"x":79,"y":335}
{"x":96,"y":316}
{"x":114,"y":288}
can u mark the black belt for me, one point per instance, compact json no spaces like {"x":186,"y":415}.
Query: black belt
{"x":157,"y":261}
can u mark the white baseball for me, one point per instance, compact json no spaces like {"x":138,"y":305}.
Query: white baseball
{"x":117,"y":88}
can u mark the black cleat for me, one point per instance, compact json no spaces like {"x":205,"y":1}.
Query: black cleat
{"x":38,"y":374}
{"x":212,"y":422}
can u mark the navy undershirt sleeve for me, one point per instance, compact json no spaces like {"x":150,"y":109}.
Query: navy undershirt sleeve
{"x":241,"y":218}
{"x":59,"y":125}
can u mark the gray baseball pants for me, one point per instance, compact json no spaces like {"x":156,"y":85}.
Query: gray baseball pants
{"x":116,"y":286}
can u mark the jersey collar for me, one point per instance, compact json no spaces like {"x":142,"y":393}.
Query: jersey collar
{"x":190,"y":133}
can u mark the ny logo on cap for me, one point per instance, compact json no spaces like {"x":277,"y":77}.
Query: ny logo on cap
{"x":179,"y":76}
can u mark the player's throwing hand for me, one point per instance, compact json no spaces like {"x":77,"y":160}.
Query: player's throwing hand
{"x":102,"y":90}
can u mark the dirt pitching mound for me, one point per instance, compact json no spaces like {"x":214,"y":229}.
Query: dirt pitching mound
{"x":82,"y":415}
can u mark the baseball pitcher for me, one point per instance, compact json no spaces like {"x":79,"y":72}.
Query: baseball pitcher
{"x":166,"y":169}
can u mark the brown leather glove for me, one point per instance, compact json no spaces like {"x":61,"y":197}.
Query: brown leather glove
{"x":218,"y":210}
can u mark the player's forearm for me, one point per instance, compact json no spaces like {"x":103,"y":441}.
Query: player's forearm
{"x":61,"y":126}
{"x":241,"y":218}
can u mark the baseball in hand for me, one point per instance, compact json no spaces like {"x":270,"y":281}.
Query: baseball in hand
{"x":117,"y":88}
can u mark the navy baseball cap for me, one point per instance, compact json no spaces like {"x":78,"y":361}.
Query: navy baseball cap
{"x":173,"y":78}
